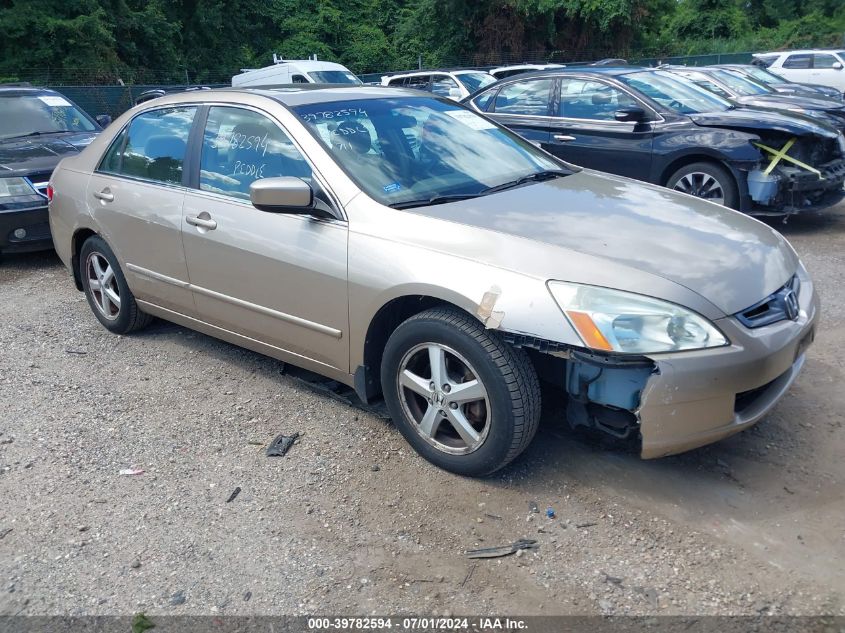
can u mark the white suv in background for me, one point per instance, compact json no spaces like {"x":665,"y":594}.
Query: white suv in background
{"x":454,"y":84}
{"x":826,"y":67}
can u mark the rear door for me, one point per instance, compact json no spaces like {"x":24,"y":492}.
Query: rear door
{"x":273,"y":277}
{"x":524,"y":106}
{"x":585,"y":130}
{"x":136,"y":195}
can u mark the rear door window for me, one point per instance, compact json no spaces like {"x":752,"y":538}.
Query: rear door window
{"x":152,"y":147}
{"x":241,"y":146}
{"x":529,"y":97}
{"x":798,"y":61}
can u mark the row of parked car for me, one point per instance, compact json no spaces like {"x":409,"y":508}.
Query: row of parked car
{"x":758,"y":141}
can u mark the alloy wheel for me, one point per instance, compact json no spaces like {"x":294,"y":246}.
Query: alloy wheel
{"x":443,"y":396}
{"x":102,"y":285}
{"x":701,"y":185}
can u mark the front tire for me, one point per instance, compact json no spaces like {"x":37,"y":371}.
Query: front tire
{"x":106,"y":289}
{"x":708,"y":181}
{"x":465,"y":400}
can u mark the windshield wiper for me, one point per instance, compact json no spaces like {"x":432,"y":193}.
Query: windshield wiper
{"x":409,"y":204}
{"x":539,"y":176}
{"x":37,"y":134}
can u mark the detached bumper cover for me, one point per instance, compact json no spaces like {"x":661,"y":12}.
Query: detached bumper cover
{"x":697,"y":398}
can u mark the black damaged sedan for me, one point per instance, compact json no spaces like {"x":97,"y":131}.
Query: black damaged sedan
{"x":38,"y":128}
{"x":656,"y":127}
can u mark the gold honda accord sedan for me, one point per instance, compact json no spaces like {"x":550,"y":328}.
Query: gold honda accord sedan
{"x":414,"y":250}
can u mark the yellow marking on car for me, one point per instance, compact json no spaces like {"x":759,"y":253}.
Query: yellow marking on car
{"x":781,"y":154}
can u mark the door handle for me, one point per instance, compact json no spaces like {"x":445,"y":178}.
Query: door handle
{"x":105,"y":195}
{"x":563,"y":138}
{"x":204,"y":223}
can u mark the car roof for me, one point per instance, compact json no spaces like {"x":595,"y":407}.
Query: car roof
{"x":584,"y":70}
{"x":295,"y":95}
{"x":20,"y":90}
{"x":803,"y":51}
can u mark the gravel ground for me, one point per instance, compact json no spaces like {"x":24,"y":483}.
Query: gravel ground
{"x":351,"y":520}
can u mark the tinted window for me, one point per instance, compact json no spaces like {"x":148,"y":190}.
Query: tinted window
{"x":240,"y":146}
{"x":475,"y":81}
{"x":588,"y":99}
{"x":798,"y":61}
{"x":483,"y":101}
{"x":443,"y":85}
{"x":824,"y":61}
{"x":403,"y":149}
{"x":153,"y":147}
{"x":672,"y":92}
{"x":334,"y":77}
{"x":21,"y":115}
{"x":420,"y":82}
{"x":299,"y":79}
{"x":525,"y":97}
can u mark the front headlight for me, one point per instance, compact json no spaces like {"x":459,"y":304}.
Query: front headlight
{"x":617,"y":321}
{"x":15,"y":187}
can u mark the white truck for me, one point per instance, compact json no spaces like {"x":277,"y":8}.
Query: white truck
{"x":295,"y":71}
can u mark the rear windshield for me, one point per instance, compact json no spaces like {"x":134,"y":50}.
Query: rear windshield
{"x":333,"y":77}
{"x":49,"y":113}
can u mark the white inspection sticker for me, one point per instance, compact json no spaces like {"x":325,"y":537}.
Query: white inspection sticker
{"x":470,"y":119}
{"x":54,"y":100}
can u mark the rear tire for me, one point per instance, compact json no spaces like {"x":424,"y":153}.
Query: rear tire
{"x":106,"y":289}
{"x":485,"y":409}
{"x":708,"y":181}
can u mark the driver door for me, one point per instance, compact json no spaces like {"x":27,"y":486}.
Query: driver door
{"x":280,"y":279}
{"x":586,"y":132}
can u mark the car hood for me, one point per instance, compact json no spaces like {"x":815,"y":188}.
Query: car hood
{"x":758,"y":120}
{"x":728,"y":258}
{"x":20,"y":156}
{"x":784,"y":102}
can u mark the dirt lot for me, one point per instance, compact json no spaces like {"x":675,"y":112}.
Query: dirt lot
{"x":351,"y":521}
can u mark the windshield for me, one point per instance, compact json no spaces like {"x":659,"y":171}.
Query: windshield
{"x":333,"y":77}
{"x":675,"y":94}
{"x":23,"y":115}
{"x":475,"y":81}
{"x":405,"y":149}
{"x":763,"y":75}
{"x":742,"y":86}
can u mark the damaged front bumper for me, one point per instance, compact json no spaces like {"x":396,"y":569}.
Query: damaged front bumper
{"x":791,"y":188}
{"x":680,"y":401}
{"x":696,"y":398}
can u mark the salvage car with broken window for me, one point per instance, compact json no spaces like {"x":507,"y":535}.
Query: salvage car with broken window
{"x":655,"y":126}
{"x":361,"y":233}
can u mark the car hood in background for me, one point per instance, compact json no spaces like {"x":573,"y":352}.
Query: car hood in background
{"x":784,"y":102}
{"x":19,"y":156}
{"x":728,"y":258}
{"x":760,"y":120}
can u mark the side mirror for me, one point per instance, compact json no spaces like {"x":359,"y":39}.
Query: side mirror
{"x":282,"y":195}
{"x":633,"y":113}
{"x":103,"y":120}
{"x":455,"y":93}
{"x":837,"y":65}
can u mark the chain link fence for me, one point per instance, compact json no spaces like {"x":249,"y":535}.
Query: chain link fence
{"x":102,"y":92}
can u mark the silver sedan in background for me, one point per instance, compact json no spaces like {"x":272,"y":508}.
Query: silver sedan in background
{"x":414,"y":250}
